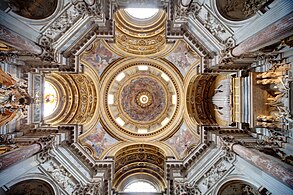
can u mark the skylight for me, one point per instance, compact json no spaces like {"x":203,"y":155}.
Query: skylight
{"x":142,"y":13}
{"x":140,"y":186}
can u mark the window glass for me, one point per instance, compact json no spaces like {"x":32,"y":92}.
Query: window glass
{"x":140,"y":186}
{"x":50,"y":99}
{"x":142,"y":13}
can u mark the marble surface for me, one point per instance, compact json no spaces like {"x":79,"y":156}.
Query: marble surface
{"x":268,"y":164}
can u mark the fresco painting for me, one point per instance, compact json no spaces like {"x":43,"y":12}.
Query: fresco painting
{"x":99,"y":57}
{"x":99,"y":140}
{"x":182,"y":141}
{"x":183,"y":57}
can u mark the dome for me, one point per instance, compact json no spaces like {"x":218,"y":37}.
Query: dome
{"x":142,"y":98}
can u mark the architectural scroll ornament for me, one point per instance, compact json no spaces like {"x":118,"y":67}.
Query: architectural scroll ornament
{"x":247,"y":189}
{"x":47,"y":145}
{"x":48,"y":52}
{"x":89,"y":189}
{"x":7,"y":139}
{"x":70,"y":16}
{"x":183,"y":12}
{"x":96,"y":9}
{"x":229,"y":156}
{"x":185,"y":188}
{"x":62,"y":23}
{"x":204,"y":15}
{"x":226,"y":56}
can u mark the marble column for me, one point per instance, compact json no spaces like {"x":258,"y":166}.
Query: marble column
{"x":268,"y":36}
{"x":18,"y":155}
{"x":20,"y":43}
{"x":266,"y":163}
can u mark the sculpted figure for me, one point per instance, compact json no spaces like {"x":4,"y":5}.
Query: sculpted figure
{"x":280,"y":98}
{"x":269,"y":74}
{"x":268,"y":81}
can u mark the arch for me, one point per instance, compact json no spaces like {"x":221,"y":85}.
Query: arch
{"x":234,"y":179}
{"x":197,"y":95}
{"x":168,"y":151}
{"x":140,"y":178}
{"x":139,"y":162}
{"x":136,"y":36}
{"x":36,"y":178}
{"x":77,"y":96}
{"x":231,"y":23}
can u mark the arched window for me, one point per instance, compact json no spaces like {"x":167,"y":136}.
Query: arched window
{"x":142,"y":13}
{"x":140,"y":186}
{"x":50,"y":99}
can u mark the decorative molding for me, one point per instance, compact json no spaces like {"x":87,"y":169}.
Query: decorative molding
{"x":88,"y":189}
{"x":186,"y":188}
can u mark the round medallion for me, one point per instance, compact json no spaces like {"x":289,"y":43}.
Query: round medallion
{"x":142,"y":99}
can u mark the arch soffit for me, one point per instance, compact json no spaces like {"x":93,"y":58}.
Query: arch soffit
{"x":235,"y":177}
{"x":168,"y":151}
{"x":37,"y":176}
